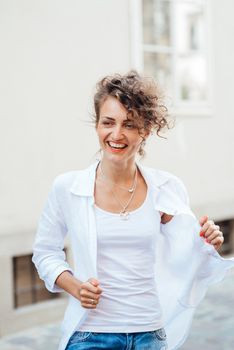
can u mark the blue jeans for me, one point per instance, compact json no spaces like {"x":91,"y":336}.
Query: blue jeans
{"x":151,"y":340}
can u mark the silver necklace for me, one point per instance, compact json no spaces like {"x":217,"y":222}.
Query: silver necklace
{"x":124,"y":214}
{"x":130,"y":190}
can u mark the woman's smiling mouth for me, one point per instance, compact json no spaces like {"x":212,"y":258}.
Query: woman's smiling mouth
{"x":116,"y":147}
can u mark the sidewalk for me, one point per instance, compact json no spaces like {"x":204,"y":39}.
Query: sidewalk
{"x":213,"y":325}
{"x":212,"y":328}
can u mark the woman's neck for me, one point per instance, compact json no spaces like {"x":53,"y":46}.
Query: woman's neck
{"x":121,"y":173}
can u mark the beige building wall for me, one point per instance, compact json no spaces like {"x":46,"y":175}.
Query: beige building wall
{"x":52,"y":53}
{"x":200,"y":148}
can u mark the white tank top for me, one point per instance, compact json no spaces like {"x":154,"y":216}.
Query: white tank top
{"x":125,"y":265}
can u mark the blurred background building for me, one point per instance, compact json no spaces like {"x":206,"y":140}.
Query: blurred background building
{"x":52,"y":54}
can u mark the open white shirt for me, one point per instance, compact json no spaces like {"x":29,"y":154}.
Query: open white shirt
{"x":185,"y":264}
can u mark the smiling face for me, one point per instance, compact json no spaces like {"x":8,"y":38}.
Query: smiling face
{"x":118,"y":136}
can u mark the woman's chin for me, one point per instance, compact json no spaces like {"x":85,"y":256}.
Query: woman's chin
{"x":117,"y":158}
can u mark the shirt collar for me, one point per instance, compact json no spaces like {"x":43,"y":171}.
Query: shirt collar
{"x":84,"y":182}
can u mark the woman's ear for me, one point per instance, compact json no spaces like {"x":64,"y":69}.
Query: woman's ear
{"x":147,"y":134}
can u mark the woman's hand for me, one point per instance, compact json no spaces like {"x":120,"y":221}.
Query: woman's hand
{"x":211,"y":232}
{"x":90,"y":293}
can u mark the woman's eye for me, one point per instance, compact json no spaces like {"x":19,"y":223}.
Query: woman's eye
{"x":106,"y":123}
{"x":130,"y":126}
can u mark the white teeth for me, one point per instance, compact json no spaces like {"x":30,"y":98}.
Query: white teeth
{"x":116,"y":145}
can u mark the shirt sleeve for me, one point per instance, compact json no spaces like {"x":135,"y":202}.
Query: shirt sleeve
{"x":186,"y":265}
{"x":172,"y":197}
{"x":48,"y":249}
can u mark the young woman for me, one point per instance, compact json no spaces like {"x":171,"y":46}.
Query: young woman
{"x":142,"y":261}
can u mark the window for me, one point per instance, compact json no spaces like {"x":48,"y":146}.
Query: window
{"x":28,"y":287}
{"x":227,"y":227}
{"x":170,"y":42}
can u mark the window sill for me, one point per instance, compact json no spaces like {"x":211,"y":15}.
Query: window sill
{"x":192,"y":112}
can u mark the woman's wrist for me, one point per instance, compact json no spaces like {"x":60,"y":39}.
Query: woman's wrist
{"x":69,"y":283}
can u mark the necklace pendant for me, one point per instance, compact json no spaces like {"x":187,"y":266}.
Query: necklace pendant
{"x":124,"y":215}
{"x":131,"y":190}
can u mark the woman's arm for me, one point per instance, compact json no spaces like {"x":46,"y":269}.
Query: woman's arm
{"x":69,"y":283}
{"x":165,"y":217}
{"x":48,"y":250}
{"x":88,"y":293}
{"x":209,"y":230}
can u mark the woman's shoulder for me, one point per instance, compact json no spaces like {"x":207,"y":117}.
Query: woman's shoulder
{"x":73,"y":178}
{"x":162,"y":177}
{"x":170,"y":186}
{"x":65,"y":178}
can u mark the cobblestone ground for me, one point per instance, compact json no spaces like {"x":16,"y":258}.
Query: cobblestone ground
{"x":212,"y":328}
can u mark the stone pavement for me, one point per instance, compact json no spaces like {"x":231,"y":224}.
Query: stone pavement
{"x":212,"y":328}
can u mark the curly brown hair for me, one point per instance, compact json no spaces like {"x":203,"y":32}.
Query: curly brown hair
{"x":140,"y":96}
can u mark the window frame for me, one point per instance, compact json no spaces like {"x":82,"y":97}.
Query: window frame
{"x":33,"y":288}
{"x":137,"y":48}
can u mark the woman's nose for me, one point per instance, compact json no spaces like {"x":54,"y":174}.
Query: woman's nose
{"x":117,"y":132}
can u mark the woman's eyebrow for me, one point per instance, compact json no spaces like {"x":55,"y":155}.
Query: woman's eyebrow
{"x":106,"y":117}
